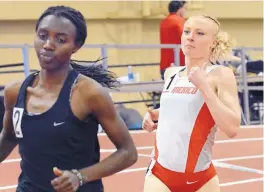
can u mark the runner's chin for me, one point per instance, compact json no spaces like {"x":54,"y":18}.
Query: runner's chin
{"x":47,"y":62}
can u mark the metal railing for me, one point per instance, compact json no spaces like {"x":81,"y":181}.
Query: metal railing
{"x":176,"y":48}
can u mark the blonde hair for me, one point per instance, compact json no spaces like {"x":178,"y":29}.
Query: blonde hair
{"x":223,"y":42}
{"x":223,"y":47}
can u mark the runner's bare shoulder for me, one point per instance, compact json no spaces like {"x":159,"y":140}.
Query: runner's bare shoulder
{"x":11,"y":92}
{"x":172,"y":70}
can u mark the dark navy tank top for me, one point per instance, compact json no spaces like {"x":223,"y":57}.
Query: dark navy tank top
{"x":54,"y":138}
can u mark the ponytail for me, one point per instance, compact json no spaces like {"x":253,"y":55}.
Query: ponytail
{"x":97,"y":72}
{"x":223,"y":48}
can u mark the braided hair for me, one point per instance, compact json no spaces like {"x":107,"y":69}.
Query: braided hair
{"x":98,"y":73}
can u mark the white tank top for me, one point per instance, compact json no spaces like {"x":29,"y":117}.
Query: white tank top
{"x":186,"y":129}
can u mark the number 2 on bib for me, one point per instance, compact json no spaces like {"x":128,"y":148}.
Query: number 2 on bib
{"x":17,"y":118}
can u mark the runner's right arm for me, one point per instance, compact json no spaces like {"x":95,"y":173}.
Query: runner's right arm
{"x":7,"y":136}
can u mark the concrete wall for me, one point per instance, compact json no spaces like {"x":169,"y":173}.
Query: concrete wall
{"x":124,"y":23}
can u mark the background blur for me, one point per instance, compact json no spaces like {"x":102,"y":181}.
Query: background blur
{"x":125,"y":22}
